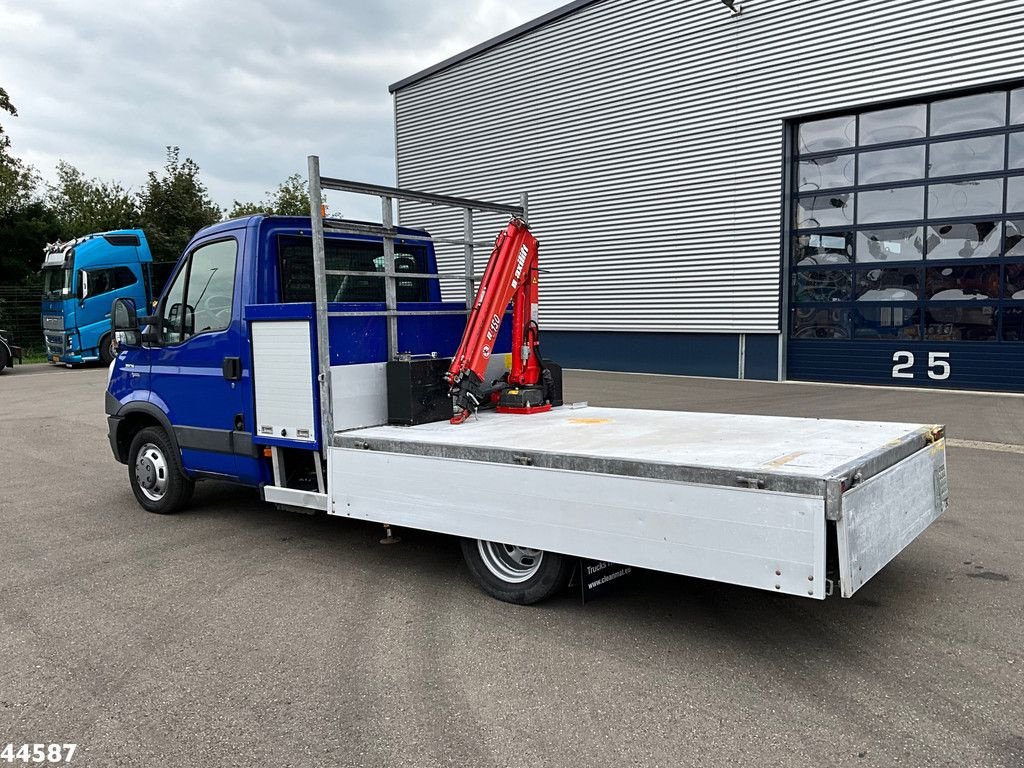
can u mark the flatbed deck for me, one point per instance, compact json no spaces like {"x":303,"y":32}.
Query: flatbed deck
{"x":743,"y":499}
{"x":770,"y":452}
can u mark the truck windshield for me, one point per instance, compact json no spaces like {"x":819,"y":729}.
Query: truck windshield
{"x":296,"y":270}
{"x":56,"y":282}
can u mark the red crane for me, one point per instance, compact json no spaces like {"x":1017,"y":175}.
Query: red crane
{"x":510,"y":276}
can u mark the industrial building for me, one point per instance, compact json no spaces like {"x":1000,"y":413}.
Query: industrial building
{"x":825,"y":190}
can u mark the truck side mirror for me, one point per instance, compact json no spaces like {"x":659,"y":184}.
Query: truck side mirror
{"x":174,"y":317}
{"x":124,"y":322}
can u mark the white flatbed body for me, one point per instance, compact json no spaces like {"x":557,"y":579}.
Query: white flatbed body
{"x":741,"y":499}
{"x":784,"y":504}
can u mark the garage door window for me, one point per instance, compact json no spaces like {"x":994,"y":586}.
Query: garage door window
{"x":907,"y":222}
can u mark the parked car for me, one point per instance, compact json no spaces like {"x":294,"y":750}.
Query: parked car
{"x":9,"y":351}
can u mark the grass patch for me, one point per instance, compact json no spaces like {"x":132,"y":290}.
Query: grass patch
{"x":34,"y":355}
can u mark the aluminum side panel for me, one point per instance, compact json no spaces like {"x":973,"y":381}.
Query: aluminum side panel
{"x":882,"y":516}
{"x":359,"y":395}
{"x":283,"y":380}
{"x":296,"y":498}
{"x":774,"y":541}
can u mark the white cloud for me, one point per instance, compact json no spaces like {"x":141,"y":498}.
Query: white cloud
{"x":245,"y":89}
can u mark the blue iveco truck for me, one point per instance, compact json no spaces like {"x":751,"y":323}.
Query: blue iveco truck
{"x":310,"y":358}
{"x":81,"y":279}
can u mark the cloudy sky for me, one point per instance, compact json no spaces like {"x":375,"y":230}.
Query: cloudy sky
{"x":247,"y":89}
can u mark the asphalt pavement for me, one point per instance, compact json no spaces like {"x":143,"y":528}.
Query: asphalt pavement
{"x":236,"y":634}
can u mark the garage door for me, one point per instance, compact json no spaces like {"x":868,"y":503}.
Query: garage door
{"x":906,"y":260}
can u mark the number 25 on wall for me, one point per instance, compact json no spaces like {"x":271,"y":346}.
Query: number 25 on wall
{"x":903,"y":364}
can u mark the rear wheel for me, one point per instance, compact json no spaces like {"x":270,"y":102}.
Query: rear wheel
{"x":107,"y":352}
{"x":516,"y":574}
{"x":155,"y":473}
{"x":5,"y":357}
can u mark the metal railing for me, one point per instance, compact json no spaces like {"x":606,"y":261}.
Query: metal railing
{"x":388,"y":233}
{"x":20,"y":315}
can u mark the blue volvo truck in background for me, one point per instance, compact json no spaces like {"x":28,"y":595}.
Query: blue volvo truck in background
{"x":81,"y":279}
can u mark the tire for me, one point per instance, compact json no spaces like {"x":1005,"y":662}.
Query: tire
{"x":5,"y":358}
{"x":155,"y":474}
{"x":107,"y":349}
{"x":515,"y":574}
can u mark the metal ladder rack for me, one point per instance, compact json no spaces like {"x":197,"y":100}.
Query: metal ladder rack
{"x":388,"y":232}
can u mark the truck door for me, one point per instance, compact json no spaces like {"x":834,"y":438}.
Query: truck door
{"x":196,"y":368}
{"x":97,"y":289}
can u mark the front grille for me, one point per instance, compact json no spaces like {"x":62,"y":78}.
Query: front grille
{"x":55,"y":344}
{"x":53,"y":322}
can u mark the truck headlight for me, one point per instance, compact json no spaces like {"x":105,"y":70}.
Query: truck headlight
{"x":70,"y":341}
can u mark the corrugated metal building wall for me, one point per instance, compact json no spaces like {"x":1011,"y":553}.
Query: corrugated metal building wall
{"x":650,"y":138}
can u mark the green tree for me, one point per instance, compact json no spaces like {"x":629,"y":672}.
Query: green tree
{"x":26,"y":223}
{"x":291,"y":198}
{"x":239,"y":209}
{"x":18,"y":181}
{"x":174,"y":206}
{"x":6,"y":106}
{"x":84,"y":205}
{"x":24,"y":232}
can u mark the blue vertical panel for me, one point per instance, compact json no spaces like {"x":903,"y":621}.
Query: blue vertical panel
{"x":761,"y":359}
{"x":948,"y":365}
{"x":363,"y":339}
{"x":693,"y":354}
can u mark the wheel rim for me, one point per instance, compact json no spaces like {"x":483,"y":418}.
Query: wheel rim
{"x":508,"y":562}
{"x":151,"y":472}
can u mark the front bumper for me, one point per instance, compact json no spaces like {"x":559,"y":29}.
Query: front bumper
{"x":59,"y":351}
{"x":70,"y":359}
{"x":111,"y":405}
{"x":56,"y":346}
{"x":113,"y":425}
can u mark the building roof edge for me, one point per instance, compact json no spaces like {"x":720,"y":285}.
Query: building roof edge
{"x":494,"y":42}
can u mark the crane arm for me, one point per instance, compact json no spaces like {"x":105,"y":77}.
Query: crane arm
{"x":510,"y":276}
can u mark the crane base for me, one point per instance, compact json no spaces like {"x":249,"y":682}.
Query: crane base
{"x":525,"y":409}
{"x":519,"y":399}
{"x":523,"y":400}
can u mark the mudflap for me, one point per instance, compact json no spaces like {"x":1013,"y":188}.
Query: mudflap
{"x":597,"y":577}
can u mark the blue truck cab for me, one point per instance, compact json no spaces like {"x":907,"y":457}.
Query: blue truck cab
{"x":180,"y":396}
{"x":81,"y":279}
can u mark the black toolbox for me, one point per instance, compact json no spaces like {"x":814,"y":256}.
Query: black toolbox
{"x":417,"y":391}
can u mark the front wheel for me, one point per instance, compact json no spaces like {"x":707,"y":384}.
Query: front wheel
{"x":516,"y":574}
{"x":107,"y":351}
{"x":157,"y":480}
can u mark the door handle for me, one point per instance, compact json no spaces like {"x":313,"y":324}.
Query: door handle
{"x":232,"y":368}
